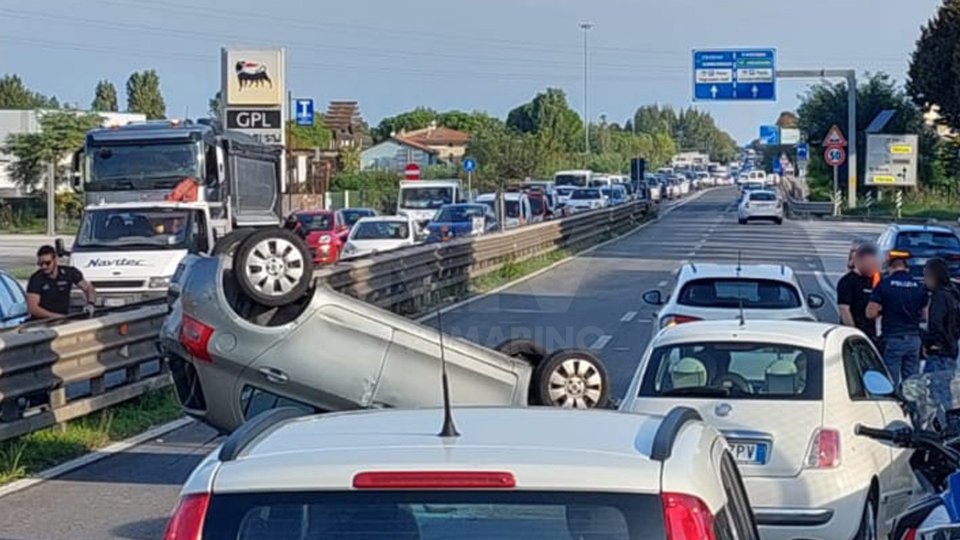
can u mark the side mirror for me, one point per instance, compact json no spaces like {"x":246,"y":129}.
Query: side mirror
{"x":61,"y":250}
{"x":815,"y":300}
{"x":877,"y":384}
{"x":654,"y":298}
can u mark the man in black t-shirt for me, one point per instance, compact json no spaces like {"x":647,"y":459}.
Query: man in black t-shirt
{"x":854,"y":289}
{"x":48,"y":291}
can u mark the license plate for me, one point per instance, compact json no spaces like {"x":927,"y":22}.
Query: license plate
{"x":113,"y":302}
{"x":750,"y":453}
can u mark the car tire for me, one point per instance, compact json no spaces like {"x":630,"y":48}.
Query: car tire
{"x":571,"y":378}
{"x":779,"y":221}
{"x":524,"y":349}
{"x":228,"y":244}
{"x":273,"y":267}
{"x":868,"y":521}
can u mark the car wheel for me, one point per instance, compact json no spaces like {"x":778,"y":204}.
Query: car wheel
{"x":273,"y":267}
{"x":228,"y":244}
{"x":779,"y":221}
{"x":571,"y":378}
{"x":868,"y":522}
{"x":523,"y":348}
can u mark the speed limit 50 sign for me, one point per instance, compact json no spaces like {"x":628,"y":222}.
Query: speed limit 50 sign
{"x":835,"y":156}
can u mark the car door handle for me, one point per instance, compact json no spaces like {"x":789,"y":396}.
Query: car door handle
{"x":274,"y":375}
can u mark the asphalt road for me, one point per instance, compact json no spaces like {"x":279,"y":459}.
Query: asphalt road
{"x":592,"y":301}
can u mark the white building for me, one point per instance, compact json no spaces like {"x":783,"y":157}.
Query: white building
{"x":28,"y":121}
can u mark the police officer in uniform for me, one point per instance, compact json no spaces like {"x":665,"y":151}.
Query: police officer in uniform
{"x":48,"y":291}
{"x":901,"y":302}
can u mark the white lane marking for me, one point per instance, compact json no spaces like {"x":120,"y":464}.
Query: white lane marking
{"x":628,"y":316}
{"x":691,"y":254}
{"x":621,"y":349}
{"x":601,"y":342}
{"x":645,"y":321}
{"x":662,"y":283}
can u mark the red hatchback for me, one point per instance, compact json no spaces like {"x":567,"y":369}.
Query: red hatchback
{"x":322,"y":230}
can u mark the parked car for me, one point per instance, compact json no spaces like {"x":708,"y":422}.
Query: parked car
{"x":232,"y":355}
{"x":13,"y":302}
{"x":920,"y":243}
{"x":350,"y":216}
{"x":462,"y":219}
{"x":787,"y":396}
{"x":541,"y":205}
{"x":507,"y":474}
{"x":725,"y":291}
{"x":655,"y":190}
{"x":760,"y":205}
{"x":378,"y":234}
{"x":516,"y":207}
{"x":584,"y":199}
{"x":324,"y":232}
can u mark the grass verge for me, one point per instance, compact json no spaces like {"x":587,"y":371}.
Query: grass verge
{"x":31,"y":453}
{"x":22,"y":272}
{"x":514,"y":270}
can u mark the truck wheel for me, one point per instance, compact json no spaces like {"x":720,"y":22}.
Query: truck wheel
{"x":273,"y":267}
{"x":571,"y":378}
{"x":523,"y":348}
{"x":228,"y":244}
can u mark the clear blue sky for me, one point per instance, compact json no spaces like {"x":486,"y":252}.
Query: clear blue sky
{"x":490,"y":55}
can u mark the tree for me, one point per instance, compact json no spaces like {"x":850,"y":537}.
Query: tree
{"x":548,"y":116}
{"x":824,"y":105}
{"x":15,"y":95}
{"x":418,"y":118}
{"x":215,"y":106}
{"x":143,"y":94}
{"x":61,"y":133}
{"x":788,"y":120}
{"x":308,"y":137}
{"x":104,"y":97}
{"x":933,"y":78}
{"x":653,"y":119}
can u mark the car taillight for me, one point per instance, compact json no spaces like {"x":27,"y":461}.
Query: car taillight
{"x":686,"y":517}
{"x":195,"y":336}
{"x":673,"y":320}
{"x":824,"y":449}
{"x":187,"y":520}
{"x":434,"y":480}
{"x":898,"y":254}
{"x":909,"y":534}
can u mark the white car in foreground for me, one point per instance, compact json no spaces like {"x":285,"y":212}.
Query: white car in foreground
{"x":502,"y":474}
{"x":377,"y":234}
{"x":787,"y":395}
{"x":720,"y":291}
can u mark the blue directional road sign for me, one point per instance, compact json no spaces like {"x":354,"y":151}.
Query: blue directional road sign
{"x":735,"y":75}
{"x":769,"y":135}
{"x":469,"y":165}
{"x":803,"y":152}
{"x":777,"y":166}
{"x":304,"y":111}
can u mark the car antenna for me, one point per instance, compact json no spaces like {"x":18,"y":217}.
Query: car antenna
{"x":448,"y":429}
{"x":738,"y":262}
{"x":743,"y":321}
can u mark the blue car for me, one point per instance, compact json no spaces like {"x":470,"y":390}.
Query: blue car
{"x":458,"y":220}
{"x":615,"y":194}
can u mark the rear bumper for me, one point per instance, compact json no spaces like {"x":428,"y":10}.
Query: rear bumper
{"x":822,"y":505}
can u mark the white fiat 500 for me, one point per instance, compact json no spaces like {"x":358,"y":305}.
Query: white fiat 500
{"x":787,"y":396}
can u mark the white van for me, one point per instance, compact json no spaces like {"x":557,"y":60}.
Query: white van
{"x":516,"y":207}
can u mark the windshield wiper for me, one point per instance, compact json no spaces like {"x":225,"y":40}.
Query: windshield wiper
{"x":697,"y":391}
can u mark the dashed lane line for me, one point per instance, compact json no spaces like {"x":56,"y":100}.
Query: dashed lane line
{"x":628,"y":316}
{"x":601,"y":342}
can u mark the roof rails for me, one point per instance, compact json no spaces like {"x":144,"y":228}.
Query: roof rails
{"x":669,"y":428}
{"x":255,"y":429}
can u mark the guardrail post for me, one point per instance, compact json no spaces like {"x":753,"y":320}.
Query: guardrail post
{"x":837,"y":201}
{"x":97,"y":386}
{"x":9,"y":410}
{"x":899,"y":204}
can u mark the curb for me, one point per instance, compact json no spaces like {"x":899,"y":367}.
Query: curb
{"x":495,"y":290}
{"x":94,"y":456}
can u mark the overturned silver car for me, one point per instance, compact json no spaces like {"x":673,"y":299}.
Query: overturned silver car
{"x":232,"y":357}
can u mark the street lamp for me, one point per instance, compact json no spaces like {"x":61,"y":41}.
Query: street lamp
{"x":585,"y":27}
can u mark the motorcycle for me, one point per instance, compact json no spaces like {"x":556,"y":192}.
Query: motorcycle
{"x":932,"y":402}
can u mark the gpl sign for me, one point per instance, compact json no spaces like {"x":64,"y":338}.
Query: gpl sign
{"x":264,"y":124}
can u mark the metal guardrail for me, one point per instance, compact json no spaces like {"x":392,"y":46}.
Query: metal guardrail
{"x":799,"y":208}
{"x":43,"y":365}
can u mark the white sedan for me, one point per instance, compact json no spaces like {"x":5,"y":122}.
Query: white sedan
{"x":376,"y":234}
{"x":763,"y":204}
{"x":787,"y":396}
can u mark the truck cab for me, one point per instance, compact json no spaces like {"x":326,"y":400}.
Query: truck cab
{"x":156,"y":191}
{"x":419,"y":200}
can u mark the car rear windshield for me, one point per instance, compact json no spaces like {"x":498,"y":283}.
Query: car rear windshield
{"x":734,"y":370}
{"x":730,"y":292}
{"x":762,"y":196}
{"x":927,"y":240}
{"x":585,"y":194}
{"x":381,"y":230}
{"x":426,"y":515}
{"x":536,"y":206}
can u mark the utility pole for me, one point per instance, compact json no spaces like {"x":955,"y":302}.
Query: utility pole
{"x":585,"y":27}
{"x":51,"y":199}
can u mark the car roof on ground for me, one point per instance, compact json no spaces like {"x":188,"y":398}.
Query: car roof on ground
{"x":800,"y":333}
{"x":610,"y":450}
{"x":775,"y":272}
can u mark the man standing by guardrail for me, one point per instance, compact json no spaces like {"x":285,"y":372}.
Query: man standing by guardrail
{"x":48,"y":291}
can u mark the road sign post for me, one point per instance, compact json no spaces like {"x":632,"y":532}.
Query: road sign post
{"x":469,"y":165}
{"x":411,"y":172}
{"x":735,"y":75}
{"x":899,"y":204}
